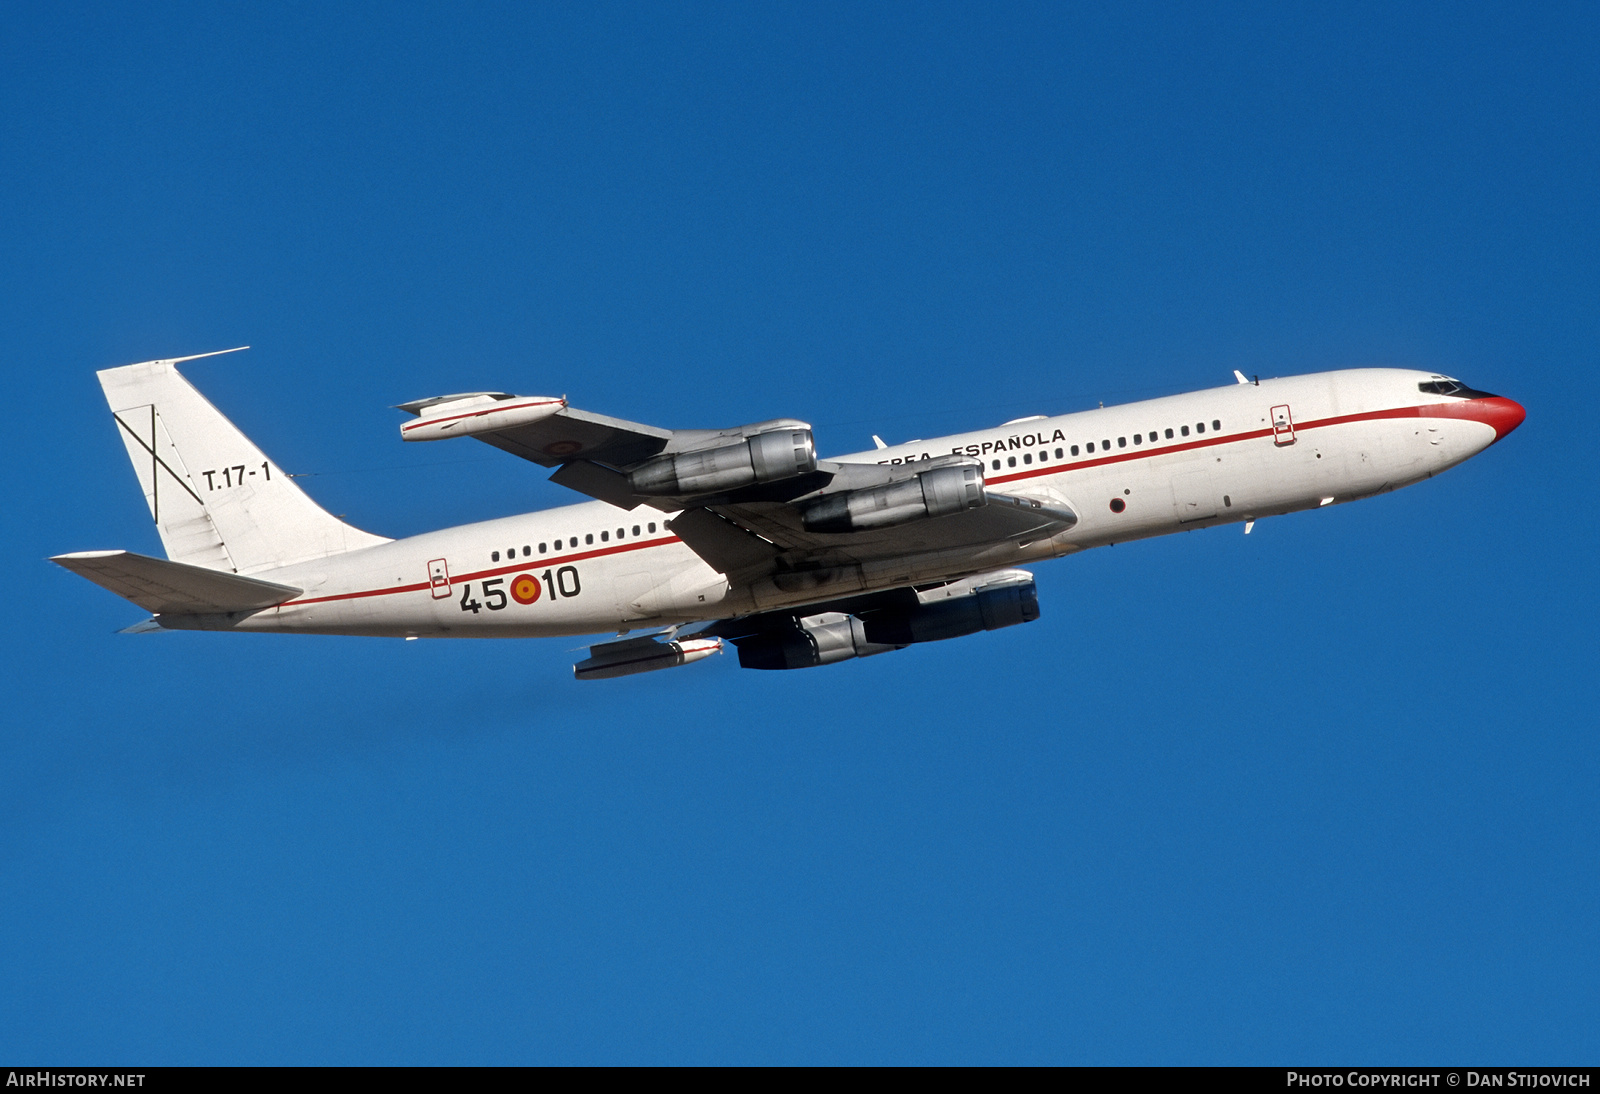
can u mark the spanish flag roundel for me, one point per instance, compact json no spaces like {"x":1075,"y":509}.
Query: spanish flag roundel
{"x":525,"y":588}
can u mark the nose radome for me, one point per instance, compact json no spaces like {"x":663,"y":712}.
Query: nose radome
{"x":1503,"y":414}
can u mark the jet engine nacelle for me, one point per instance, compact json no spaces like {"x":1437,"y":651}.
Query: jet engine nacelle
{"x":933,"y":493}
{"x":960,"y":608}
{"x":635,"y":655}
{"x":766,"y":457}
{"x":814,"y":640}
{"x":476,"y":412}
{"x":1005,"y":603}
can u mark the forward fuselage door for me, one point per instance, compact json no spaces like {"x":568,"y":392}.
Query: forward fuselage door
{"x":1282,"y":425}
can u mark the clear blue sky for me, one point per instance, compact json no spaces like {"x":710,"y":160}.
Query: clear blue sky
{"x":1323,"y":794}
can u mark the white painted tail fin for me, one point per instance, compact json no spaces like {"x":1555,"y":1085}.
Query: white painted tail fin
{"x":217,"y":500}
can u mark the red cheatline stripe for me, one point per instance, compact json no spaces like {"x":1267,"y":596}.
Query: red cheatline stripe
{"x":458,"y":579}
{"x":478,"y":413}
{"x":1255,"y":434}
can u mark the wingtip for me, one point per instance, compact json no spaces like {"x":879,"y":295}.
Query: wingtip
{"x":75,"y":555}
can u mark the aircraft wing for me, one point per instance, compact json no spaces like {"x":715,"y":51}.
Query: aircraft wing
{"x":541,"y":429}
{"x":745,"y":498}
{"x":592,"y":453}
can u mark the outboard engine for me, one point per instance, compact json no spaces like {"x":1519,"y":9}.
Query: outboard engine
{"x":934,"y":493}
{"x":766,"y":457}
{"x":813,"y":640}
{"x":646,"y":654}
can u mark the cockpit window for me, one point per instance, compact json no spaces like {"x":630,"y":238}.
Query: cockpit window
{"x":1443,"y":385}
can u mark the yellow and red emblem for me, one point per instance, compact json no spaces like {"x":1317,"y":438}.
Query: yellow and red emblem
{"x":525,"y":589}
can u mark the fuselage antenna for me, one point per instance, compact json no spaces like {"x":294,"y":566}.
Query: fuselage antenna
{"x":213,"y":353}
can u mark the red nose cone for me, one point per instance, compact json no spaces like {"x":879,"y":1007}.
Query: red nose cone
{"x":1503,"y":414}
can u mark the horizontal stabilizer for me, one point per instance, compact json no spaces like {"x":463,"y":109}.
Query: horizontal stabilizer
{"x":174,"y":588}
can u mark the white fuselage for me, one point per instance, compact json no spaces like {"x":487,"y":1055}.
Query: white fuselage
{"x":1142,"y":469}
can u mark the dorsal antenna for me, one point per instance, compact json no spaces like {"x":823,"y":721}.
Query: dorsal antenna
{"x":213,"y":353}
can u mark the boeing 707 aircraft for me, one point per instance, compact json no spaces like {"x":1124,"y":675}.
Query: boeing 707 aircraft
{"x":745,"y":535}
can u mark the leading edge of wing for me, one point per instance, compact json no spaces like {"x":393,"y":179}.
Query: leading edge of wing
{"x":571,"y":434}
{"x":541,"y":429}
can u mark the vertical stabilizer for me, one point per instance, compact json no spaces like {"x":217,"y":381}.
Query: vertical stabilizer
{"x":217,"y":500}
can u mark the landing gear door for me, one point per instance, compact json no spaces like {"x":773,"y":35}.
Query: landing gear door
{"x":439,"y":579}
{"x":1282,"y":425}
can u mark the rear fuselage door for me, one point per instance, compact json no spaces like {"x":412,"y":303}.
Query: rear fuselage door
{"x":1282,"y":425}
{"x":439,"y":578}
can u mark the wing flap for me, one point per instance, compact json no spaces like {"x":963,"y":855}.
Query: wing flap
{"x":1005,"y":517}
{"x":587,"y":477}
{"x":726,"y":546}
{"x":163,"y":587}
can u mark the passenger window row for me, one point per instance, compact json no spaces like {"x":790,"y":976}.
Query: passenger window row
{"x":544,"y":548}
{"x":1154,"y":437}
